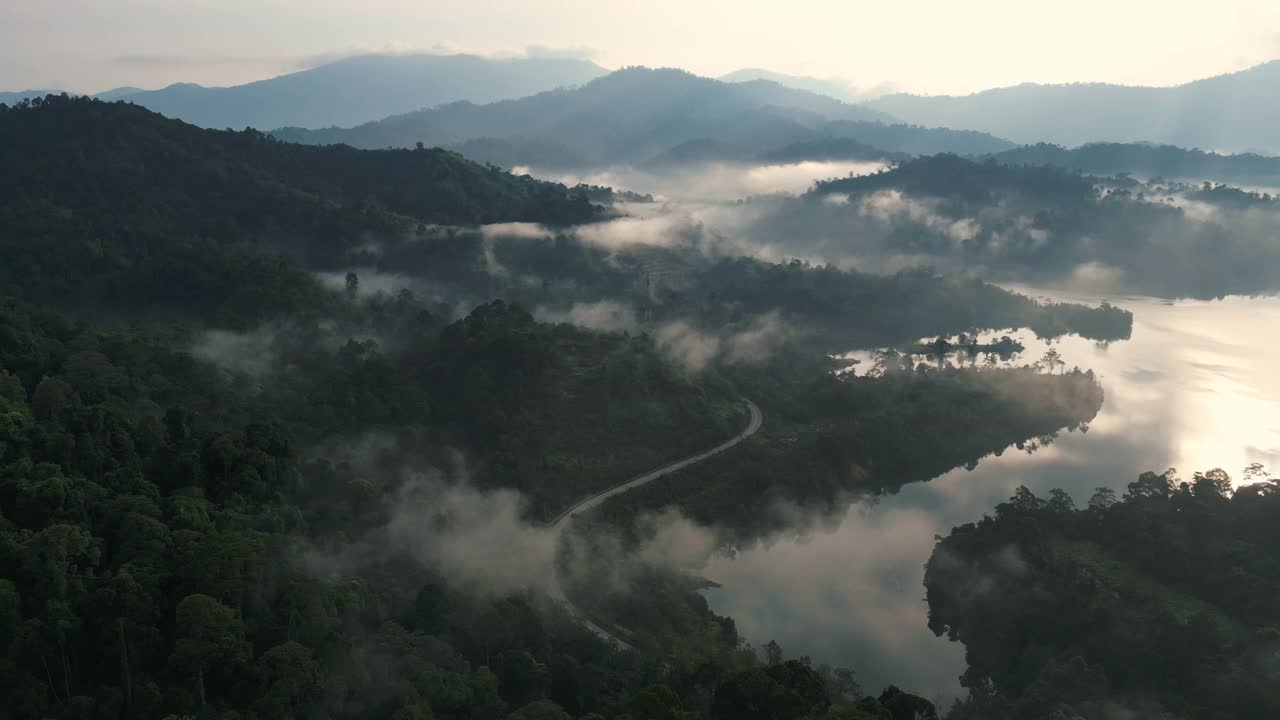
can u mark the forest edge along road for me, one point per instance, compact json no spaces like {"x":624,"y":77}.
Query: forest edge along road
{"x":562,"y":520}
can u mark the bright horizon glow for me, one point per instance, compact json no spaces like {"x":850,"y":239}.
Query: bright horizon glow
{"x":927,"y":46}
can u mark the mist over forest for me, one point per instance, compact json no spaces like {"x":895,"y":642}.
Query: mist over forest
{"x":446,"y":385}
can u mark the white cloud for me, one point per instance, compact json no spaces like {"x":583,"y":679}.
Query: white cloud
{"x":759,"y":341}
{"x":605,"y":316}
{"x":752,"y":344}
{"x":892,"y":206}
{"x":515,"y":230}
{"x":687,"y":345}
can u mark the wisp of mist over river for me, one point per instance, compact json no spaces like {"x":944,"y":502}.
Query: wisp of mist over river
{"x":1194,"y":388}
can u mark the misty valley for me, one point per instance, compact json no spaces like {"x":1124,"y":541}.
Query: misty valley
{"x":521,"y":389}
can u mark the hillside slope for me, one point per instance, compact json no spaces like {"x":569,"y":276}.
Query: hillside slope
{"x":100,"y":197}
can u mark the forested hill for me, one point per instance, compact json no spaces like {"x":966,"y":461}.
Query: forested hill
{"x":107,"y":199}
{"x":1159,"y":603}
{"x":96,"y":154}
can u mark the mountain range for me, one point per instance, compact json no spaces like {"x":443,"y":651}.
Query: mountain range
{"x":1234,"y":112}
{"x":640,"y":115}
{"x":553,"y":113}
{"x":353,"y":90}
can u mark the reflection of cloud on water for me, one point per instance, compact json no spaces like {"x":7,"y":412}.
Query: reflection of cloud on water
{"x":827,"y":596}
{"x":1144,"y":376}
{"x":801,"y":590}
{"x":1201,"y":367}
{"x":829,"y":599}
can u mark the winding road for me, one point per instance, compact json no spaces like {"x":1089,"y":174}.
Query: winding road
{"x":563,"y":519}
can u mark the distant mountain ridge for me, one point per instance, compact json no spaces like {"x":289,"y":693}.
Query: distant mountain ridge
{"x":831,"y":87}
{"x":355,"y":90}
{"x":118,"y":93}
{"x":637,"y":115}
{"x":13,"y":98}
{"x":1150,"y":161}
{"x":1232,"y":113}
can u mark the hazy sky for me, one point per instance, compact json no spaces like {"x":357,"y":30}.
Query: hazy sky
{"x":939,"y":46}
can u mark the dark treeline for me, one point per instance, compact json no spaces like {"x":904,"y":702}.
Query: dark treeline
{"x":1161,"y":598}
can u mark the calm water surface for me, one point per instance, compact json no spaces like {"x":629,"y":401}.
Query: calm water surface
{"x":1197,"y":387}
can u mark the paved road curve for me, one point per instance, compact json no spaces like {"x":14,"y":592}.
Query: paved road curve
{"x":563,"y":519}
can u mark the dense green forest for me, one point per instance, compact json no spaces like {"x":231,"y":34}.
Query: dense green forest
{"x":1163,"y":597}
{"x":149,"y":565}
{"x":146,"y":518}
{"x":231,"y":488}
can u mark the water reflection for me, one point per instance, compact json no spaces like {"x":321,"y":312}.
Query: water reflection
{"x":1195,"y":388}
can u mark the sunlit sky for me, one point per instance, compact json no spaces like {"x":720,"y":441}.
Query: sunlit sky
{"x":934,"y":46}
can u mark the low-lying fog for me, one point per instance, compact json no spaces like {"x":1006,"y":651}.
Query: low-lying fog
{"x":1195,"y":388}
{"x":716,"y":182}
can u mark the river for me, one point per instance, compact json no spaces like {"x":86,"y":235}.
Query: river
{"x":1196,"y":387}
